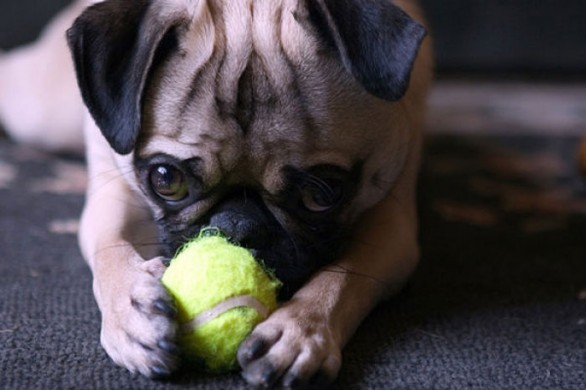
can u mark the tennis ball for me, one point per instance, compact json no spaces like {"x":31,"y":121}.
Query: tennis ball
{"x":221,"y":293}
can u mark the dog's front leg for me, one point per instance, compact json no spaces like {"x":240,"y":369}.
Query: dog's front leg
{"x":116,"y":236}
{"x":300,"y":344}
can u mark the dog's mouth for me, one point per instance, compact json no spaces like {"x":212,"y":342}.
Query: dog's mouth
{"x":293,"y":254}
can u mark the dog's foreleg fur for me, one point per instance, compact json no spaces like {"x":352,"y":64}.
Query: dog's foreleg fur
{"x":119,"y":243}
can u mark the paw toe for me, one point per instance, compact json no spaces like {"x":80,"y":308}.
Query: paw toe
{"x":253,"y":348}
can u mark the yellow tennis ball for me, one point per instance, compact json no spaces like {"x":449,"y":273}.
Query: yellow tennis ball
{"x":221,"y":293}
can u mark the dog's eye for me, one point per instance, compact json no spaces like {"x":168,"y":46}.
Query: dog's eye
{"x":319,"y":196}
{"x":168,"y":182}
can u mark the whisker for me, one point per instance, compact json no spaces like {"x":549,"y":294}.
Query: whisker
{"x":119,"y":173}
{"x":342,"y":270}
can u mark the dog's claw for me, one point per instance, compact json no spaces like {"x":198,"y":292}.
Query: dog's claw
{"x":168,"y":347}
{"x":252,"y":350}
{"x":321,"y":381}
{"x":262,"y":377}
{"x":160,"y":372}
{"x":165,"y":307}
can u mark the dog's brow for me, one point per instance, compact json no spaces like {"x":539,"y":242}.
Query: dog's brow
{"x":196,"y":80}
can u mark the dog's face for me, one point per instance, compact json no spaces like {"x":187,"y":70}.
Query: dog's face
{"x":274,"y":121}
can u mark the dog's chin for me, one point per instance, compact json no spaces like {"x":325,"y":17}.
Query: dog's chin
{"x":292,"y":254}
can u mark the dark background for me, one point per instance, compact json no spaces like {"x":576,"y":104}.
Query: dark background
{"x":537,"y":37}
{"x":21,"y":20}
{"x":543,"y":37}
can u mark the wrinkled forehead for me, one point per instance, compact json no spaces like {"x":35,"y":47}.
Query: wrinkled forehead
{"x":250,"y":80}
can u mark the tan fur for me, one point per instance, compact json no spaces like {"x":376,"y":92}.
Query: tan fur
{"x":39,"y":100}
{"x":310,"y":330}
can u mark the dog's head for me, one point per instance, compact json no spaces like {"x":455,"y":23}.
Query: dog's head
{"x":272,"y":120}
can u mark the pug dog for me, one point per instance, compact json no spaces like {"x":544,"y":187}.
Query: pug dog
{"x":293,"y":126}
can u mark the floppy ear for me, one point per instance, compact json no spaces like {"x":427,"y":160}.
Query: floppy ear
{"x":114,"y":44}
{"x":376,"y":41}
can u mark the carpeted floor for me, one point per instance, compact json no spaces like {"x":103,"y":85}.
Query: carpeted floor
{"x":499,"y":300}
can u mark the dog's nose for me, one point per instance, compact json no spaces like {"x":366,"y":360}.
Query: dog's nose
{"x":243,"y":219}
{"x":240,"y":229}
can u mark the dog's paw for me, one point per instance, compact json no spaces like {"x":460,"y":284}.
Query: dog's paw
{"x":138,"y":326}
{"x":291,"y":349}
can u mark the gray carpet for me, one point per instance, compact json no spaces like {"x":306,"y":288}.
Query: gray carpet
{"x":498,"y":302}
